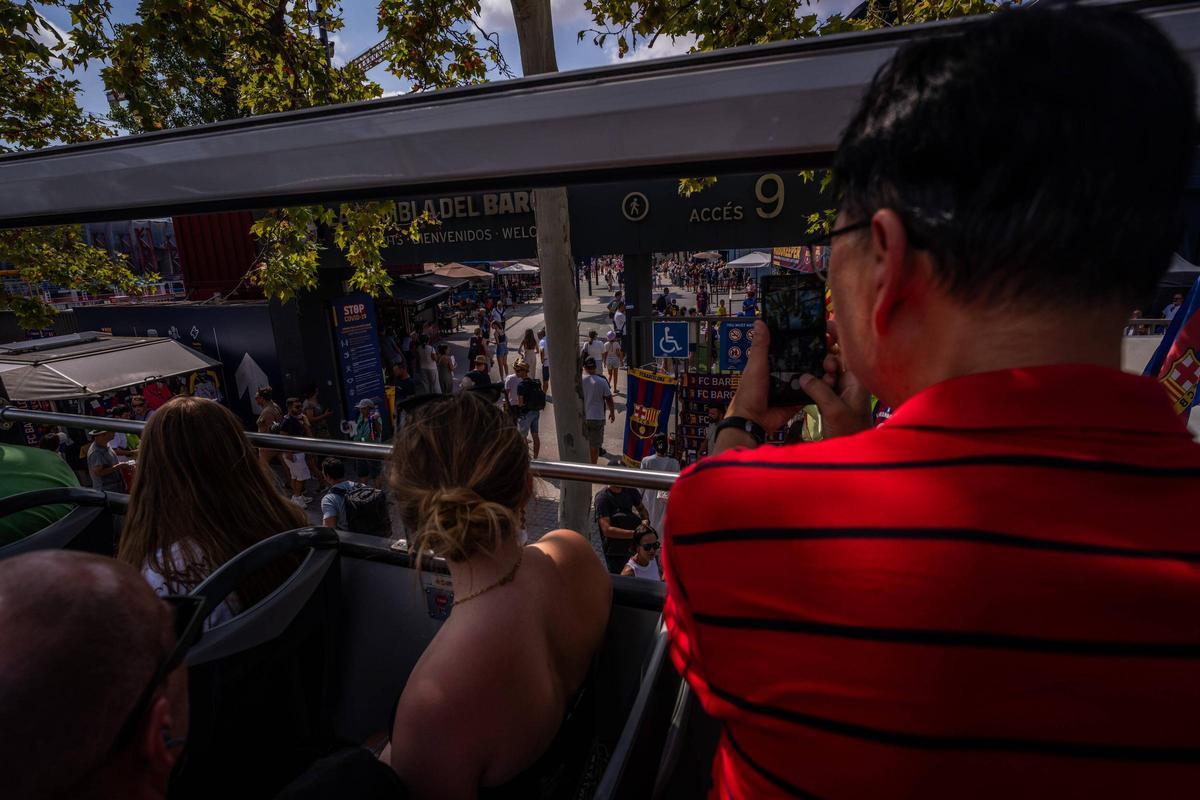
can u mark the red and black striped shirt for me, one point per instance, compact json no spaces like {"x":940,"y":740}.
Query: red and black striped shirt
{"x":994,"y":594}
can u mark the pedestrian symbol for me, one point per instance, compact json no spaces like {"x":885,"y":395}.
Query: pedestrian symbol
{"x":635,"y":206}
{"x":670,"y":339}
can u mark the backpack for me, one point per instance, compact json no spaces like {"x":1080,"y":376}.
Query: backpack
{"x":366,"y":510}
{"x":535,"y":396}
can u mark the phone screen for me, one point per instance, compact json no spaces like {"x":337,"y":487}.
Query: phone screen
{"x":794,"y":310}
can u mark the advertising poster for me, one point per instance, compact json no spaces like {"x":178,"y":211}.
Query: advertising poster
{"x":357,"y":342}
{"x":698,"y":392}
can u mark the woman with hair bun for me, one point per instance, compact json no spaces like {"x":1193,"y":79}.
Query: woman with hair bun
{"x":491,"y":690}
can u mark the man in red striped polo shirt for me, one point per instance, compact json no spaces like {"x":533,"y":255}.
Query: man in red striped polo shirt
{"x":997,"y":592}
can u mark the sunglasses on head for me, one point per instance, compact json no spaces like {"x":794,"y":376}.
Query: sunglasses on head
{"x":652,"y":546}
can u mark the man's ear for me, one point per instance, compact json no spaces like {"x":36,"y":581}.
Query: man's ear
{"x":157,"y":739}
{"x":892,"y":268}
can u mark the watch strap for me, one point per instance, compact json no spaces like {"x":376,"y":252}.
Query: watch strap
{"x":756,"y":431}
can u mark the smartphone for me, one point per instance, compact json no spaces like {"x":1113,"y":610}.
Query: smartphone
{"x":793,"y":306}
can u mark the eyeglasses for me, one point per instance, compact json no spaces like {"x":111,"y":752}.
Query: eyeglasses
{"x":651,"y":547}
{"x":817,"y":246}
{"x":188,"y":612}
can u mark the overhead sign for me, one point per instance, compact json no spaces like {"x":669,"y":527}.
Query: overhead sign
{"x":357,"y":343}
{"x":761,"y":209}
{"x":670,"y":339}
{"x":735,"y":338}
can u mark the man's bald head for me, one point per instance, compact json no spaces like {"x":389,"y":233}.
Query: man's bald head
{"x":80,"y":637}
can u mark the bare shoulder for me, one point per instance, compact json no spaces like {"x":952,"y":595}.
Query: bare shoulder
{"x":434,"y":711}
{"x":577,"y":564}
{"x":571,"y":551}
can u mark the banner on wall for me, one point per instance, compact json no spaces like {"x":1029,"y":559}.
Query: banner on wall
{"x":649,"y":398}
{"x":357,"y":342}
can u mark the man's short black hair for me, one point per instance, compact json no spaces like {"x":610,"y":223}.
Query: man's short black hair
{"x":333,"y":468}
{"x":1039,"y":155}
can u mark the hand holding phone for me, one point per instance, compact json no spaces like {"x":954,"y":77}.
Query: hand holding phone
{"x":794,"y":312}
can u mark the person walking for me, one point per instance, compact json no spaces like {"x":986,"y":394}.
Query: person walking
{"x":529,"y":350}
{"x":296,"y":463}
{"x":656,"y":499}
{"x":445,"y":367}
{"x":597,"y":397}
{"x":427,"y":362}
{"x":592,"y":348}
{"x":500,"y":338}
{"x":532,"y":399}
{"x":367,"y":428}
{"x":612,"y":357}
{"x":545,"y":354}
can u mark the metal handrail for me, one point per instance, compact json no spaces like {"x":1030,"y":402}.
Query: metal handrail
{"x":565,"y":470}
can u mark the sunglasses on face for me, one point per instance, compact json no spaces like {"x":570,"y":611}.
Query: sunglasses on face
{"x":650,"y":548}
{"x":188,"y":623}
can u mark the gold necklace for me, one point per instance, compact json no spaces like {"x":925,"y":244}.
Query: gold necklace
{"x":505,"y":578}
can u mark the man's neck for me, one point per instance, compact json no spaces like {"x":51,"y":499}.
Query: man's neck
{"x":971,"y":341}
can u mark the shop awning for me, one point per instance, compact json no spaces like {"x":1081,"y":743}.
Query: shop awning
{"x":90,"y":363}
{"x":518,"y":269}
{"x":750,"y":261}
{"x":456,"y":270}
{"x":440,"y":281}
{"x":411,"y":290}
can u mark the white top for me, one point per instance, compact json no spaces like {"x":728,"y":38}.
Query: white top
{"x":425,"y":357}
{"x":619,"y":322}
{"x":1170,"y":311}
{"x":510,"y":388}
{"x":595,"y":349}
{"x":595,"y":389}
{"x":545,"y":352}
{"x":222,"y":613}
{"x":650,"y":572}
{"x":612,"y":349}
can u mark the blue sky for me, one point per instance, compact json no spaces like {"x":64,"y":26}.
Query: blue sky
{"x":360,"y":32}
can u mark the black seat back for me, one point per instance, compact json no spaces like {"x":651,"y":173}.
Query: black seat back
{"x":261,"y":685}
{"x":92,"y":526}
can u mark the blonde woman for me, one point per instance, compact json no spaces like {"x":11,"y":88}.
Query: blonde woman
{"x":526,"y":619}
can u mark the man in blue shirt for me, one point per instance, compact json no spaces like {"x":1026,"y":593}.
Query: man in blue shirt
{"x":333,"y":504}
{"x":749,"y":305}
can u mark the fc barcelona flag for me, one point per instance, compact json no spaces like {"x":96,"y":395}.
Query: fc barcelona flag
{"x":1176,"y":362}
{"x":649,"y":399}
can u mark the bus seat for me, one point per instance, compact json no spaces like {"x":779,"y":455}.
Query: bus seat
{"x":685,"y":769}
{"x":92,"y":526}
{"x":261,"y":684}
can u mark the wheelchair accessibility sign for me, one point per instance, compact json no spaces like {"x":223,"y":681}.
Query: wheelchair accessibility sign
{"x":671,"y":339}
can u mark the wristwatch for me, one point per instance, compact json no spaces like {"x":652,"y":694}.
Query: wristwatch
{"x":749,"y":426}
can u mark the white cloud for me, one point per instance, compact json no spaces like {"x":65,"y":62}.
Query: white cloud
{"x":665,"y":46}
{"x":340,"y":52}
{"x":497,"y":14}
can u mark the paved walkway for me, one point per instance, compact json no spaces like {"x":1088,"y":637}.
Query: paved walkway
{"x":542,"y":514}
